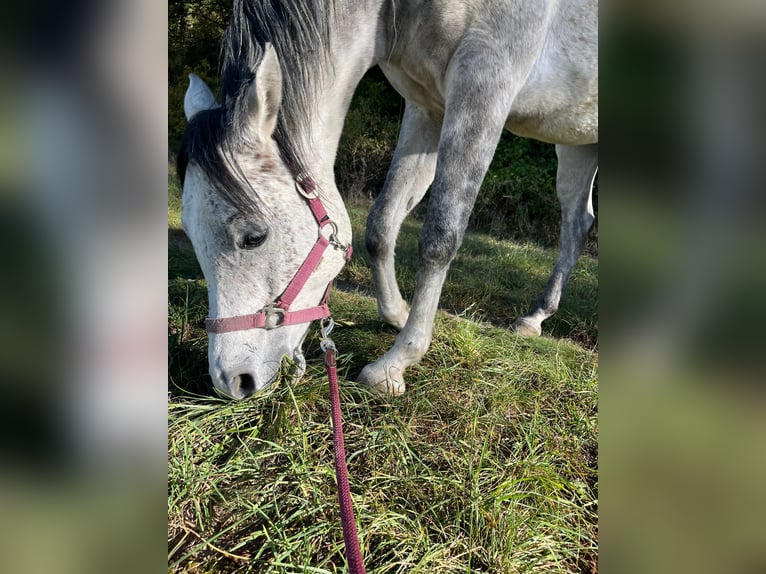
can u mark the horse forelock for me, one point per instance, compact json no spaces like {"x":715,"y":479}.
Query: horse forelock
{"x":300,"y":32}
{"x":209,"y":144}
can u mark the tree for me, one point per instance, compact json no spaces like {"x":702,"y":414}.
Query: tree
{"x":195,"y":29}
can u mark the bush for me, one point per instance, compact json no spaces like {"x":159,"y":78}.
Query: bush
{"x":518,"y":196}
{"x":369,"y":138}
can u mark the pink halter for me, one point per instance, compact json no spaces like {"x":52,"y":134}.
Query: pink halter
{"x":278,"y":314}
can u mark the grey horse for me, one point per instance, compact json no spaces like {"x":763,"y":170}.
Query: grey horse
{"x":467,"y":69}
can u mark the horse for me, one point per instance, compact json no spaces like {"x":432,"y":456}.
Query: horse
{"x":257,"y":167}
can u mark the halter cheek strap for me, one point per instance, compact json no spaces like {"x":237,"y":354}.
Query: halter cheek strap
{"x":278,"y":314}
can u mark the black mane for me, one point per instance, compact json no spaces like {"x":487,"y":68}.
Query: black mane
{"x":299,"y":30}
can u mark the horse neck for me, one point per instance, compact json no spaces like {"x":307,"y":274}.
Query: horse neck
{"x":356,"y":48}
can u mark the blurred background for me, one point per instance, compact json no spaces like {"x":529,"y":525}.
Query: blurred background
{"x":83,"y":136}
{"x":89,"y":117}
{"x":683,"y":273}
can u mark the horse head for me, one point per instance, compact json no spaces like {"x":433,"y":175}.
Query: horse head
{"x":254,"y":228}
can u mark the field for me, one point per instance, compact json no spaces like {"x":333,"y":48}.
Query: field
{"x":487,"y":464}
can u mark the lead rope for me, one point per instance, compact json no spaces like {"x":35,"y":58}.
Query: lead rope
{"x":350,"y":535}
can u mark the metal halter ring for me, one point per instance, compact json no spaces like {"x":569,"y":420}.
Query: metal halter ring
{"x":274,"y":317}
{"x":333,"y":237}
{"x":299,"y":187}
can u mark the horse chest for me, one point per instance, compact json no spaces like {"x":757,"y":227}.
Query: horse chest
{"x":423,"y":87}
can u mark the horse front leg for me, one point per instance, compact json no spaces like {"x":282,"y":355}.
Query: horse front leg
{"x":472,"y":128}
{"x":574,"y":183}
{"x":412,"y":171}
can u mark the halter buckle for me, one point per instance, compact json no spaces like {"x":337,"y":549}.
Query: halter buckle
{"x":274,"y":317}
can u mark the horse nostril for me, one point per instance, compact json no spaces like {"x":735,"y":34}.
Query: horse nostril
{"x":243,"y":385}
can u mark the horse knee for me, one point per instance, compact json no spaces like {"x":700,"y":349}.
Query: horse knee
{"x":438,"y":246}
{"x":375,"y":238}
{"x":574,"y":229}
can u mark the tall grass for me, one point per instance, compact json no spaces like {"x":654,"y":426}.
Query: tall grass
{"x":487,"y":464}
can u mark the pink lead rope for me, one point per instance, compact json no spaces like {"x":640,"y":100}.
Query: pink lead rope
{"x":348,"y":521}
{"x":278,"y":314}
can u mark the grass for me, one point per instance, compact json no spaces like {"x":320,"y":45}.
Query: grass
{"x":487,"y":464}
{"x":492,"y":280}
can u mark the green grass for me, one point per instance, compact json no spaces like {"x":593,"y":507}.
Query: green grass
{"x":487,"y":464}
{"x":492,"y":280}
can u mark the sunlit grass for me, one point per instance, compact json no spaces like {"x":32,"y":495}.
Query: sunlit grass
{"x":487,"y":464}
{"x":493,"y":280}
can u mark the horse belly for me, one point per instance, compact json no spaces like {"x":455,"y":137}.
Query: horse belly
{"x":575,"y":123}
{"x":559,"y":100}
{"x":558,"y":104}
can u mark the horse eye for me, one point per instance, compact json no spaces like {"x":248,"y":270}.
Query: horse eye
{"x":253,"y":240}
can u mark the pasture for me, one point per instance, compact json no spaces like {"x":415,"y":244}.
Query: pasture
{"x":487,"y":464}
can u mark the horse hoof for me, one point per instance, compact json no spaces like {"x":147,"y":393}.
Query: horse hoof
{"x":383,"y":380}
{"x":526,"y":328}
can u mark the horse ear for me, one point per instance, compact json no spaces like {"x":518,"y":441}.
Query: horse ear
{"x":198,"y":97}
{"x":265,"y":93}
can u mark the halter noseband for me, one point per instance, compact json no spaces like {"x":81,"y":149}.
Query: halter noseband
{"x":278,"y":314}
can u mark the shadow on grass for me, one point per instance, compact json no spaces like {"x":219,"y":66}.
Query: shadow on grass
{"x":182,"y":262}
{"x":491,"y":280}
{"x":187,"y":368}
{"x":187,"y":308}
